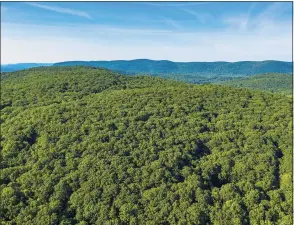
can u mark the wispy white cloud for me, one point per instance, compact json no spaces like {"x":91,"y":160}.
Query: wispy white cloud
{"x":201,"y":16}
{"x":93,"y":42}
{"x":240,"y":22}
{"x":271,"y":12}
{"x":252,"y":37}
{"x":203,"y":47}
{"x":237,"y":23}
{"x":244,"y":22}
{"x":269,"y":20}
{"x":172,"y":23}
{"x":169,"y":4}
{"x":61,"y":10}
{"x":71,"y":30}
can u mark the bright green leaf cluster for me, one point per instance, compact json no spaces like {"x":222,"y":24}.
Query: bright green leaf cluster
{"x":87,"y":146}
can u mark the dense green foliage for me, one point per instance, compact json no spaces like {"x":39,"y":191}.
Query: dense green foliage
{"x":280,"y":83}
{"x":192,"y":72}
{"x":87,"y":146}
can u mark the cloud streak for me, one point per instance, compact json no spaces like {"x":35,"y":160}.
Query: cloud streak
{"x":256,"y":33}
{"x":94,"y":42}
{"x":175,"y":4}
{"x":244,"y":22}
{"x":202,"y":48}
{"x":61,"y":10}
{"x":172,"y":23}
{"x":274,"y":10}
{"x":202,"y":17}
{"x":266,"y":21}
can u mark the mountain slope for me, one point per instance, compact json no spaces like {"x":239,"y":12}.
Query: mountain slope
{"x":280,"y":83}
{"x":21,"y":66}
{"x":194,"y":72}
{"x":88,"y":146}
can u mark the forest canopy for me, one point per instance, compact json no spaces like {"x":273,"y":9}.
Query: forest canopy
{"x":271,"y":82}
{"x":81,"y":145}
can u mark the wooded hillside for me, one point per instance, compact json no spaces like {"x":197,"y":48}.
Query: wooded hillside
{"x":87,"y":146}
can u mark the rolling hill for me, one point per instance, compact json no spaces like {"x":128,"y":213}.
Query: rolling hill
{"x":21,"y":66}
{"x":193,"y":72}
{"x":275,"y":83}
{"x":83,"y":145}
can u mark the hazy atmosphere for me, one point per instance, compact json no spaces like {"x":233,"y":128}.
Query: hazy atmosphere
{"x":194,"y":31}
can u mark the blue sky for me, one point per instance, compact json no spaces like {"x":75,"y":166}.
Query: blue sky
{"x":178,"y":31}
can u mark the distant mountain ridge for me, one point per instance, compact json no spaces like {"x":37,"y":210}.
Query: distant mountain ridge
{"x":21,"y":66}
{"x":165,"y":66}
{"x":193,"y":72}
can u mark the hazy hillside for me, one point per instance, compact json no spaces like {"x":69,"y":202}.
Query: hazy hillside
{"x":88,"y":146}
{"x":275,"y":83}
{"x":21,"y":66}
{"x":194,"y":72}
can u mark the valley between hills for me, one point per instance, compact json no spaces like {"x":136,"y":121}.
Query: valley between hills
{"x":87,"y":145}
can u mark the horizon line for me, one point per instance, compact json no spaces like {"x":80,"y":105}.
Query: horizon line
{"x":5,"y":64}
